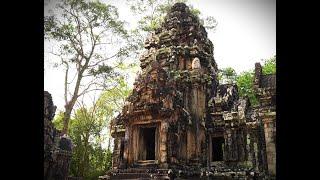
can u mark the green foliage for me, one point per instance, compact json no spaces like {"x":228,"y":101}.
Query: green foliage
{"x":58,"y":120}
{"x":80,"y":16}
{"x":152,"y":12}
{"x":245,"y":79}
{"x":194,"y":11}
{"x":86,"y":133}
{"x":227,"y":75}
{"x":81,"y":29}
{"x":89,"y":129}
{"x":269,"y":66}
{"x":245,"y":86}
{"x":90,"y":40}
{"x":101,"y":69}
{"x":111,"y":101}
{"x":228,"y":72}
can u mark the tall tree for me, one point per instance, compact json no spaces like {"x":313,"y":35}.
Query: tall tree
{"x":89,"y":131}
{"x":86,"y":34}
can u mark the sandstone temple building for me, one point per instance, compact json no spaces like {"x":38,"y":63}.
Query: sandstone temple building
{"x":180,"y":123}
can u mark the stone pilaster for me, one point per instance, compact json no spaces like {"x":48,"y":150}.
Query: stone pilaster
{"x":268,"y":119}
{"x":163,"y":144}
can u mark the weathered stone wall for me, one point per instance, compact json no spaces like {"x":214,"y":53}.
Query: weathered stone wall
{"x":49,"y":132}
{"x":177,"y":69}
{"x":57,"y":149}
{"x":265,"y":88}
{"x":270,"y":131}
{"x":179,"y":90}
{"x":116,"y":159}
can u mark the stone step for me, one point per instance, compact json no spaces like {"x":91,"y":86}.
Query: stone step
{"x":139,"y":176}
{"x":130,"y":176}
{"x":138,"y":173}
{"x":143,"y":170}
{"x":147,"y":161}
{"x":145,"y":165}
{"x":160,"y":176}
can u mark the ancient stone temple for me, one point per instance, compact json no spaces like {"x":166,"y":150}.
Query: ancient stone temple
{"x":179,"y":122}
{"x":265,"y":88}
{"x":57,"y":148}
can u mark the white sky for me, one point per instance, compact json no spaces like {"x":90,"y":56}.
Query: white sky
{"x":246,"y":33}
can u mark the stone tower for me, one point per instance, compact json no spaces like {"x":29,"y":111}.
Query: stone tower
{"x":178,"y":121}
{"x":170,"y":97}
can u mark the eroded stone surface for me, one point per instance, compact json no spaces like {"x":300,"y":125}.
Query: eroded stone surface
{"x":57,"y":148}
{"x":197,"y":127}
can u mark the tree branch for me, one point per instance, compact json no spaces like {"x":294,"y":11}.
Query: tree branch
{"x":93,"y":65}
{"x":66,"y":81}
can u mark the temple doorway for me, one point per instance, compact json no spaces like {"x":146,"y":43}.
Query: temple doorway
{"x":122,"y":149}
{"x":217,"y":148}
{"x":147,"y":143}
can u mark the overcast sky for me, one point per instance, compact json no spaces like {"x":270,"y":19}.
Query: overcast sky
{"x":246,"y":33}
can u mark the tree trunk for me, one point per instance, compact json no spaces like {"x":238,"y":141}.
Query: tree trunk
{"x":109,"y":141}
{"x":67,"y":113}
{"x":85,"y":162}
{"x":66,"y":118}
{"x":69,"y":105}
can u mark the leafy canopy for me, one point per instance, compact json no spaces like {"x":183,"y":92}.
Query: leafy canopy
{"x":269,"y":66}
{"x":90,"y":41}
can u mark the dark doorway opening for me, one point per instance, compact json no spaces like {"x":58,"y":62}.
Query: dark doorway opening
{"x":122,"y":149}
{"x":217,"y":148}
{"x":148,"y":135}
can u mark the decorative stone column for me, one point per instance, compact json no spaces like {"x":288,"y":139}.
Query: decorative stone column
{"x":269,"y":122}
{"x":163,"y":144}
{"x":231,"y":125}
{"x":126,"y":159}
